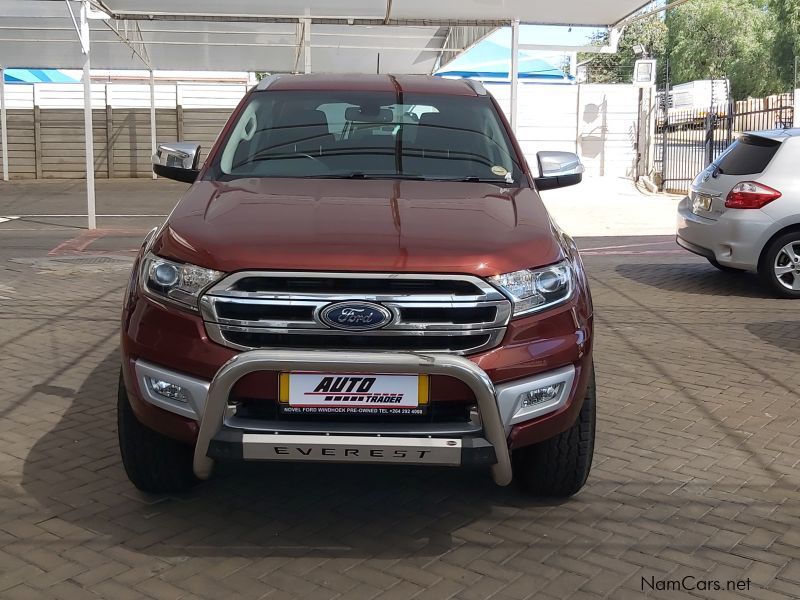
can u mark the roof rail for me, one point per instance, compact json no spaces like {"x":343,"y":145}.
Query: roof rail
{"x":268,"y":81}
{"x":477,"y":87}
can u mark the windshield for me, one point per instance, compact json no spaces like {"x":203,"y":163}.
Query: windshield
{"x":368,"y":135}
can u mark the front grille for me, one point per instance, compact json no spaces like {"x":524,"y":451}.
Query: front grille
{"x":253,"y":311}
{"x":455,"y":315}
{"x":451,"y":343}
{"x":299,"y":285}
{"x":459,"y":314}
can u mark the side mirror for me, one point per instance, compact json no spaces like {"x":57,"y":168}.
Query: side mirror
{"x":558,"y":169}
{"x":177,"y":161}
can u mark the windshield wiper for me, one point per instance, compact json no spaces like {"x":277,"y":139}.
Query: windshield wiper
{"x":474,"y":179}
{"x":360,"y":175}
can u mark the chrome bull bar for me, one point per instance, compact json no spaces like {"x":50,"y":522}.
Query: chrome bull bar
{"x":211,"y":421}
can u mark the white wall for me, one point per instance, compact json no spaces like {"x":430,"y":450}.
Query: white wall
{"x":124,"y":95}
{"x":210,"y":95}
{"x":598,"y":122}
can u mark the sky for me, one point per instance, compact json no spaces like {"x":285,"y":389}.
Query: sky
{"x":546,"y":34}
{"x":530,"y":34}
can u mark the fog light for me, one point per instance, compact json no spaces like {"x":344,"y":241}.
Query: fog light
{"x":169,"y":390}
{"x":541,"y":395}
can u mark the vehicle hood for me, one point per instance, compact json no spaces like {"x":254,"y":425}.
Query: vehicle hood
{"x":360,"y":225}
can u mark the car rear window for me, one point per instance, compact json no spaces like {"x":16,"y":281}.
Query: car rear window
{"x":748,"y":155}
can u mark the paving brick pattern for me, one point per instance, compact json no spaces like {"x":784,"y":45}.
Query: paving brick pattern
{"x":696,"y":473}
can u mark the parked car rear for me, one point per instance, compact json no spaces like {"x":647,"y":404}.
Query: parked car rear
{"x":742,"y":212}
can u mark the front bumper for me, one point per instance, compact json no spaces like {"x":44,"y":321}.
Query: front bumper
{"x":484,"y":441}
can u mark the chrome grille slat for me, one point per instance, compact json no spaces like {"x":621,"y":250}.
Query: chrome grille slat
{"x":358,"y":284}
{"x":273,"y":315}
{"x":337,"y":297}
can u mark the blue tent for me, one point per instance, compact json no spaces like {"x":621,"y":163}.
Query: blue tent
{"x":490,"y":60}
{"x":36,"y":76}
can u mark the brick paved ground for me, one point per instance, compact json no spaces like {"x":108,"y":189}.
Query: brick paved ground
{"x":696,"y":471}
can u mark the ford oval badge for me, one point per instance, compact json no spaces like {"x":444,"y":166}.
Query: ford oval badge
{"x":355,"y":316}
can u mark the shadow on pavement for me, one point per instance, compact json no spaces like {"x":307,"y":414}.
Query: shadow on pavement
{"x":782,"y":334}
{"x":74,"y":472}
{"x":694,"y":278}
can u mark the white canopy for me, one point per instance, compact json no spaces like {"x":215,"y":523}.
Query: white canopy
{"x":369,"y":36}
{"x":389,"y":36}
{"x":420,"y":12}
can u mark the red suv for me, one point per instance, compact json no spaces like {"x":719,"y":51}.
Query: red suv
{"x":361,"y":271}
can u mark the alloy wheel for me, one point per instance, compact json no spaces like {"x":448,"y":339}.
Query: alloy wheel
{"x":787,"y":266}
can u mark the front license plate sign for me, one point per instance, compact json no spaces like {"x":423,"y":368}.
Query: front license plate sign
{"x":353,"y":393}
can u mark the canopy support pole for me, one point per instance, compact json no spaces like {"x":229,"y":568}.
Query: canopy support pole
{"x":573,"y":64}
{"x":89,"y":145}
{"x":514,"y":72}
{"x":152,"y":116}
{"x":88,"y":129}
{"x":3,"y":123}
{"x":307,"y":45}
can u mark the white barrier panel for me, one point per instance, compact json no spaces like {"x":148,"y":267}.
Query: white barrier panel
{"x":124,"y":95}
{"x":210,"y":95}
{"x":67,"y":95}
{"x":19,"y":95}
{"x":137,"y":95}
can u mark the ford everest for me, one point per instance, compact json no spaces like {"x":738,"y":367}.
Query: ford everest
{"x":362,"y":271}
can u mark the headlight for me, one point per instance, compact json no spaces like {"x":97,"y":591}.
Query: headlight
{"x":532,"y":290}
{"x":181,"y":283}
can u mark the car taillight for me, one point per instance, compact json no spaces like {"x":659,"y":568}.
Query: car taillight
{"x":749,"y":194}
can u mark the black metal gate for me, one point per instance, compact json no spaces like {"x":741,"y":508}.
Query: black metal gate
{"x":688,"y":141}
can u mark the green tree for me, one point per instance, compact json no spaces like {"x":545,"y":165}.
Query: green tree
{"x":650,"y":32}
{"x":715,"y":39}
{"x":786,"y":44}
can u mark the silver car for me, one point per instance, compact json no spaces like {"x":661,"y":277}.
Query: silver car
{"x":743,"y":212}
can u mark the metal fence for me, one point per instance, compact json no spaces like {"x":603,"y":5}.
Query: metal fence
{"x":688,"y":141}
{"x":45,"y":125}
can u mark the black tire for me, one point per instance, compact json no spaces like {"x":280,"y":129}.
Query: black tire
{"x":724,"y":268}
{"x":766,"y":265}
{"x":559,"y":467}
{"x":153,"y":462}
